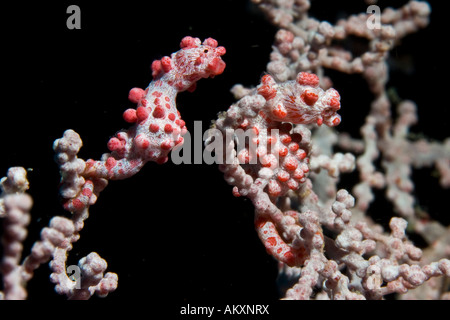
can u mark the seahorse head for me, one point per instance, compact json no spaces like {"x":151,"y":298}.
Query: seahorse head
{"x":194,"y":61}
{"x":300,"y":101}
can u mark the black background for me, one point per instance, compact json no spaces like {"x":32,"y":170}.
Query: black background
{"x":173,"y":232}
